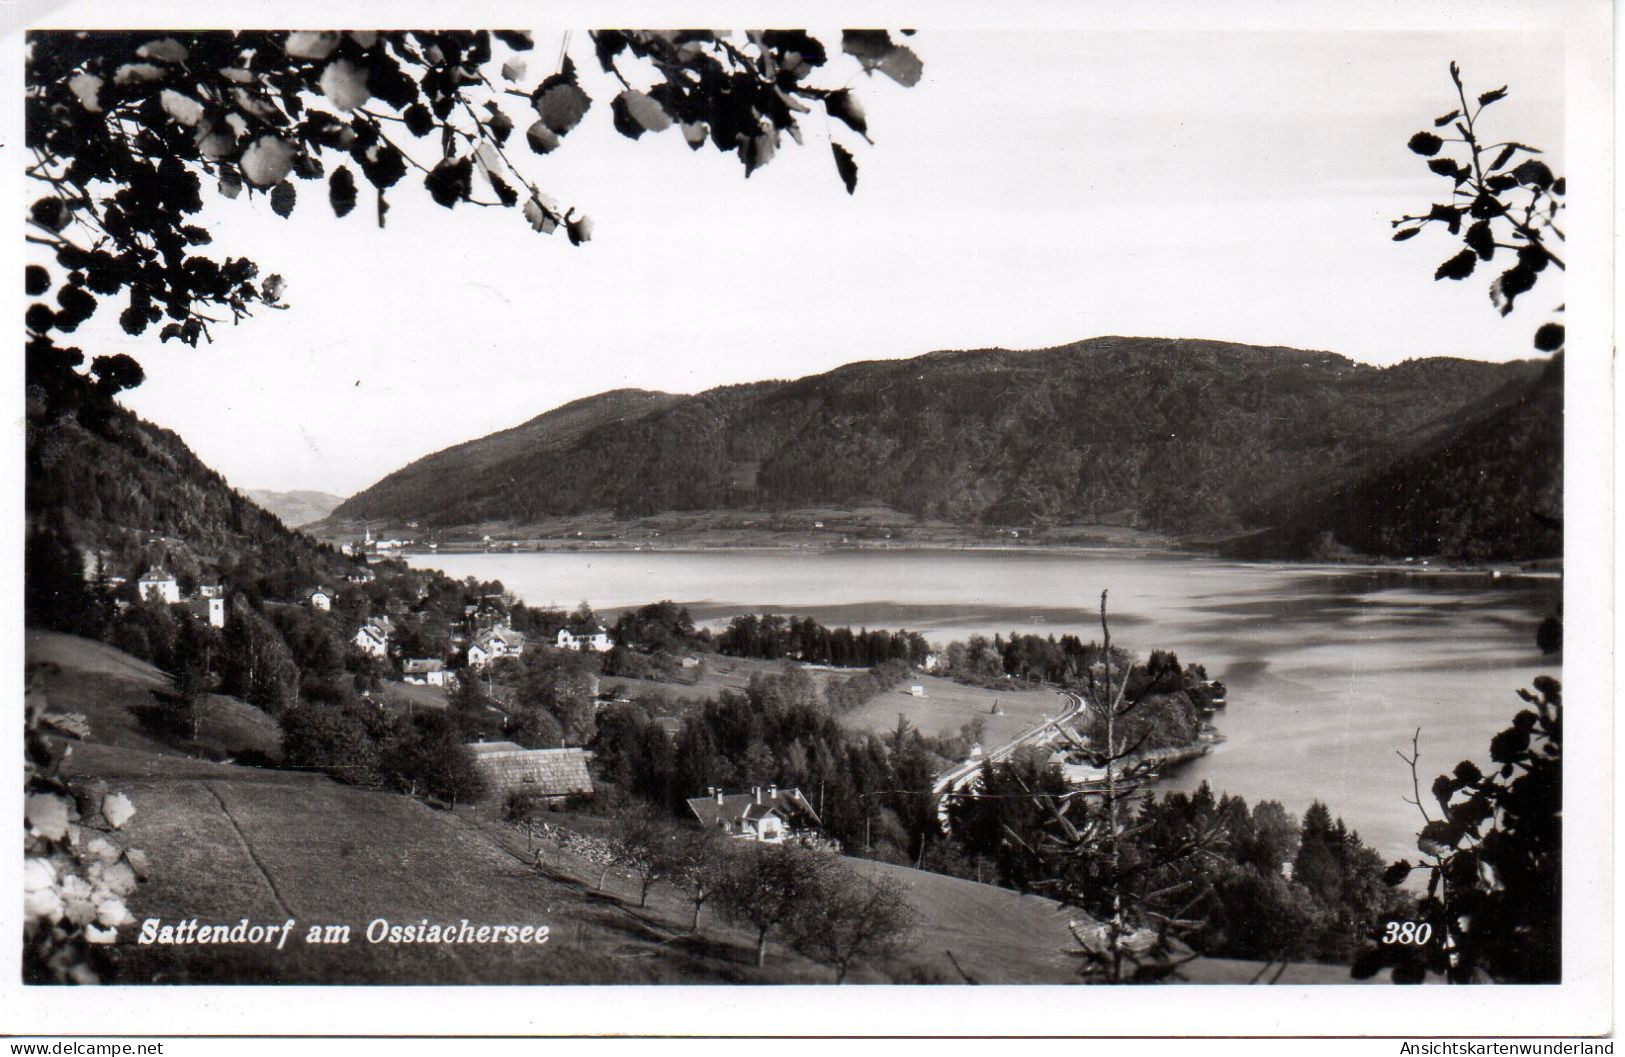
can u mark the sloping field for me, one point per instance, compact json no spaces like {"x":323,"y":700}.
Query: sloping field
{"x":227,"y":842}
{"x":114,"y":690}
{"x":948,"y":705}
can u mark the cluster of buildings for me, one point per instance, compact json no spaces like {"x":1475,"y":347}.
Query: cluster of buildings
{"x":207,"y":602}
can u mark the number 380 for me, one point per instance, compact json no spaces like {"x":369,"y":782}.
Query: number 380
{"x":1408,"y":932}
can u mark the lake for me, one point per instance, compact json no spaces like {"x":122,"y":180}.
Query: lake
{"x":1330,"y":670}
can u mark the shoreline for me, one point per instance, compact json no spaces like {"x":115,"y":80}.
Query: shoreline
{"x":1495,"y":570}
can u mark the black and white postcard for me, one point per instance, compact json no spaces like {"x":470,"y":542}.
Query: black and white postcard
{"x":927,"y":509}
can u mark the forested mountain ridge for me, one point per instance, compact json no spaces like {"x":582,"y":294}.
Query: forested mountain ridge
{"x":135,"y":493}
{"x":1489,"y":490}
{"x":1190,"y":437}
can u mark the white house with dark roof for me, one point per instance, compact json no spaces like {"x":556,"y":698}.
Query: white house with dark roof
{"x":371,"y":640}
{"x":320,"y":598}
{"x":157,"y":585}
{"x":426,"y":671}
{"x":770,"y":815}
{"x":593,"y":639}
{"x":494,"y":643}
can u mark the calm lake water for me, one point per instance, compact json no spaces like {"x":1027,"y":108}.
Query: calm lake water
{"x":1329,"y":670}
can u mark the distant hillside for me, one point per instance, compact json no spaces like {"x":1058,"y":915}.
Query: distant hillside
{"x":136,"y":493}
{"x":1490,"y":490}
{"x":296,"y":508}
{"x":429,"y":486}
{"x":1200,"y":439}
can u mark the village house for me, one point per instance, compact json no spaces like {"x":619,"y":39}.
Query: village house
{"x":493,"y":644}
{"x":594,"y":638}
{"x":211,"y":589}
{"x":426,"y":671}
{"x":543,"y":773}
{"x":360,"y":575}
{"x":320,"y":598}
{"x":771,"y":815}
{"x":371,"y":640}
{"x":157,"y":585}
{"x":211,"y":608}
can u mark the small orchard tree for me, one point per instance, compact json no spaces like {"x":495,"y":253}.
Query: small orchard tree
{"x":1503,"y":200}
{"x":698,"y":858}
{"x":644,"y":847}
{"x":852,"y":919}
{"x":766,"y":886}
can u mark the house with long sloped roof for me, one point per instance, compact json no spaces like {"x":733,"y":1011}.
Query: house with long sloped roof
{"x":511,"y":768}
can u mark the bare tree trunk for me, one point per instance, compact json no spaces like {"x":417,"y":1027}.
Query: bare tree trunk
{"x":1114,"y":928}
{"x":761,"y":947}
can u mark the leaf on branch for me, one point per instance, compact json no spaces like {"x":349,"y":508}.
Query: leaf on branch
{"x":1447,"y":167}
{"x":847,"y":166}
{"x":52,"y":213}
{"x":695,"y":132}
{"x":1481,"y":240}
{"x":637,"y":113}
{"x":305,"y":45}
{"x":1396,"y":873}
{"x":757,"y":150}
{"x":514,"y":69}
{"x":419,"y":122}
{"x":1467,"y":772}
{"x":231,"y":185}
{"x":1437,"y":838}
{"x":1549,"y":338}
{"x":500,"y":125}
{"x":1533,"y":173}
{"x":345,"y":84}
{"x":1407,"y":233}
{"x":267,"y":161}
{"x":540,"y":218}
{"x":1451,"y":215}
{"x":559,"y":100}
{"x":517,"y":39}
{"x":903,"y":66}
{"x":451,"y":181}
{"x":87,"y":88}
{"x":1441,"y":122}
{"x":1458,"y":267}
{"x":36,"y":280}
{"x":579,"y":228}
{"x":844,"y":106}
{"x":166,"y":50}
{"x":1503,"y":293}
{"x":137,"y":73}
{"x":341,"y":192}
{"x":874,"y":50}
{"x":1425,"y":143}
{"x":541,"y":138}
{"x":1490,"y":97}
{"x":1503,"y":157}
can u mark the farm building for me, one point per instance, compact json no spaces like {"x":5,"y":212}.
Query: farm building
{"x":508,"y":768}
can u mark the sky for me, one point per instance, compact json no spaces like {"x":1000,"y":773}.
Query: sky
{"x":1035,"y":188}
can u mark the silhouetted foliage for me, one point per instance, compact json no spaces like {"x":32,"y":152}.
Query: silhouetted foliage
{"x":1492,"y":854}
{"x":126,"y":130}
{"x":1503,"y":197}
